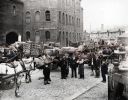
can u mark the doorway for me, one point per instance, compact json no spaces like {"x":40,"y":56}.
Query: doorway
{"x":11,"y":38}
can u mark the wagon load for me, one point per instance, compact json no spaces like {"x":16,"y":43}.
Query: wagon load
{"x":57,"y":44}
{"x":26,"y":48}
{"x":68,"y":49}
{"x":51,"y":52}
{"x":46,"y":46}
{"x":35,"y":49}
{"x":81,"y":48}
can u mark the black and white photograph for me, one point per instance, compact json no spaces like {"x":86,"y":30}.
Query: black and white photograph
{"x":63,"y":49}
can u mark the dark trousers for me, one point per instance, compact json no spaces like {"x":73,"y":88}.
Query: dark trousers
{"x":74,"y":72}
{"x":82,"y":76}
{"x":97,"y":71}
{"x":46,"y":73}
{"x":28,"y":76}
{"x":103,"y":76}
{"x":92,"y":67}
{"x":63,"y":73}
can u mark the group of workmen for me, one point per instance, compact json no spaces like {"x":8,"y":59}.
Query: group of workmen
{"x":76,"y":62}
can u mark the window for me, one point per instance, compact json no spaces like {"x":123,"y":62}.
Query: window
{"x":47,"y":35}
{"x":37,"y":16}
{"x":63,"y":36}
{"x":27,"y":35}
{"x":63,"y":18}
{"x":47,"y":15}
{"x":69,"y":19}
{"x":66,"y":19}
{"x":37,"y":36}
{"x":28,"y":17}
{"x":14,"y":10}
{"x":73,"y":20}
{"x":79,"y":22}
{"x":59,"y":16}
{"x":59,"y":37}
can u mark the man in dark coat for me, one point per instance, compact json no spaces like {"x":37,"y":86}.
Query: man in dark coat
{"x":92,"y":62}
{"x":73,"y":66}
{"x":46,"y":70}
{"x":80,"y":62}
{"x":63,"y":66}
{"x":97,"y":67}
{"x":104,"y":70}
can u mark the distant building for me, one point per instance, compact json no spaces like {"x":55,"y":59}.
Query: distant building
{"x":11,"y":20}
{"x":53,"y":20}
{"x":106,"y":34}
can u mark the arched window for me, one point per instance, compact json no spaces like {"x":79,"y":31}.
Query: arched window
{"x":27,"y":35}
{"x":66,"y":19}
{"x":37,"y":36}
{"x":59,"y":16}
{"x":14,"y":10}
{"x":47,"y":15}
{"x":37,"y":16}
{"x":59,"y":37}
{"x":28,"y":17}
{"x":47,"y":35}
{"x":69,"y":20}
{"x":63,"y":18}
{"x":63,"y":36}
{"x":77,"y":22}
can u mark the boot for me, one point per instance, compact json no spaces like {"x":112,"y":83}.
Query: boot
{"x":45,"y":82}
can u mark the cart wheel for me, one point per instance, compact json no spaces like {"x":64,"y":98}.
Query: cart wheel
{"x":5,"y":85}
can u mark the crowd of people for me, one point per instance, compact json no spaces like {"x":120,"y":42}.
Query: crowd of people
{"x":74,"y":62}
{"x":97,"y":59}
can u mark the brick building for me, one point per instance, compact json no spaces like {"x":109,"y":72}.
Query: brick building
{"x":53,"y":20}
{"x":11,"y":23}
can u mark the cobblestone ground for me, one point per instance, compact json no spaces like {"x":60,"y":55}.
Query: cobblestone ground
{"x":98,"y":92}
{"x":58,"y":89}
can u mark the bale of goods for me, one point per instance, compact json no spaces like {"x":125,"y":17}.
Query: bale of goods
{"x":51,"y":52}
{"x":8,"y":68}
{"x":57,"y":44}
{"x":35,"y":49}
{"x":81,"y":48}
{"x":26,"y":48}
{"x":68,"y":49}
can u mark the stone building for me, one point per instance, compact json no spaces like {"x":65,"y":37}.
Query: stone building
{"x":53,"y":20}
{"x":11,"y":23}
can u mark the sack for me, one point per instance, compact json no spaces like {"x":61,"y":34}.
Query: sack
{"x":39,"y":62}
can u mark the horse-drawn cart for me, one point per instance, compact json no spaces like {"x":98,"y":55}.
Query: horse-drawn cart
{"x":10,"y":76}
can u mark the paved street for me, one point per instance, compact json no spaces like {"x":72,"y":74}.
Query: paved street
{"x":98,"y":92}
{"x":58,"y":89}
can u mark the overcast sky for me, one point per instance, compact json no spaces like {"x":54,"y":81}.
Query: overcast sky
{"x":111,"y":13}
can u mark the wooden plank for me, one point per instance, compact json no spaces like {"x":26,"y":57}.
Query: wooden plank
{"x":11,"y":75}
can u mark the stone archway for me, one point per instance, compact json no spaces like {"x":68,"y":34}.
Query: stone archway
{"x":11,"y":38}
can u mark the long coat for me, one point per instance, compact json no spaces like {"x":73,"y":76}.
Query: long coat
{"x":80,"y":67}
{"x":104,"y":68}
{"x":73,"y":63}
